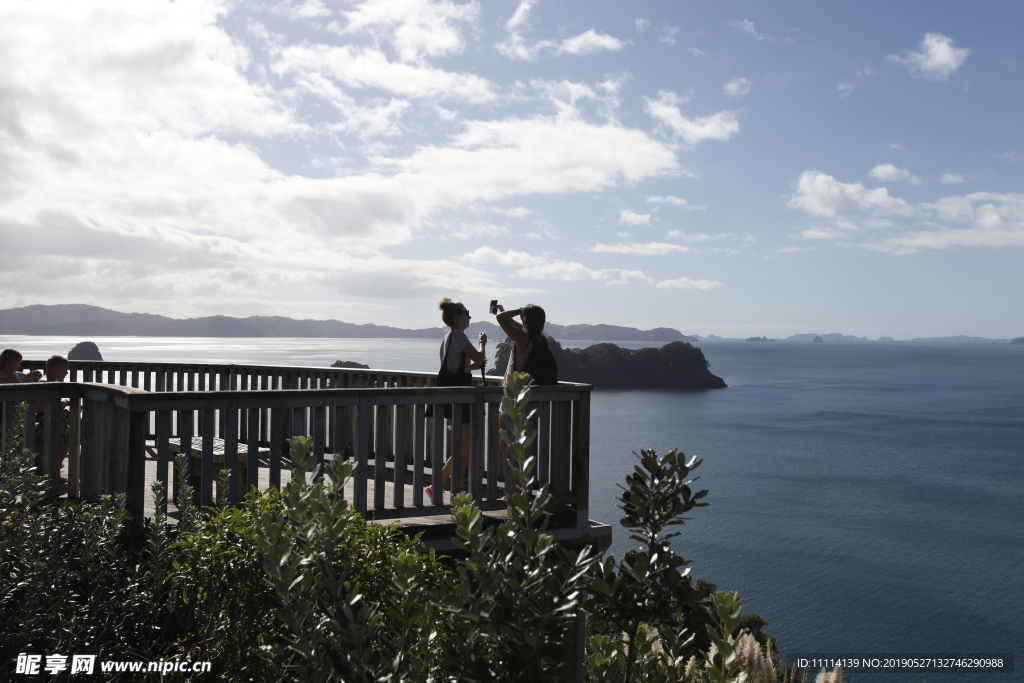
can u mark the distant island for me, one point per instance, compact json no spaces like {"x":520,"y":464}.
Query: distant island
{"x":93,"y":321}
{"x":676,"y":365}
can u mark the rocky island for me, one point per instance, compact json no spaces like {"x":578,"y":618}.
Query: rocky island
{"x":676,"y":365}
{"x":85,"y":350}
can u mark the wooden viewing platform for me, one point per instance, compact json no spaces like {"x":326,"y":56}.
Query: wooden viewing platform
{"x":128,"y":419}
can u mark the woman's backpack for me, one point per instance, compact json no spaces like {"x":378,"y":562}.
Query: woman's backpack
{"x":540,"y":362}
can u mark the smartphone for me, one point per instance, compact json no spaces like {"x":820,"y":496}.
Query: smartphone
{"x":494,"y":307}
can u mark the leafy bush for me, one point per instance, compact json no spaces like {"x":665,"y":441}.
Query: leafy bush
{"x":70,"y":574}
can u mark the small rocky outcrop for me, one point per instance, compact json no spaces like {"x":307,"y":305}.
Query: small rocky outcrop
{"x":349,"y":364}
{"x":756,"y":339}
{"x":86,"y":350}
{"x":818,"y":340}
{"x":677,"y":365}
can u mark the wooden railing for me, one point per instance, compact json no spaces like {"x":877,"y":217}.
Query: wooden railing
{"x":127,"y":417}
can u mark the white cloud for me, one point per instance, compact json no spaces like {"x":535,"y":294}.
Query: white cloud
{"x":981,"y":219}
{"x":888,"y":173}
{"x":951,"y":178}
{"x":304,"y":10}
{"x":588,"y":43}
{"x":631,"y":277}
{"x":936,"y":58}
{"x":665,"y":110}
{"x":675,"y":201}
{"x":513,"y":211}
{"x":820,"y":194}
{"x":416,"y":28}
{"x":641,"y":248}
{"x":737,"y":87}
{"x":143,"y":158}
{"x":687,"y":283}
{"x":492,"y":160}
{"x":563,"y":270}
{"x":792,"y":250}
{"x":819,"y":234}
{"x":667,"y":34}
{"x":746,"y":27}
{"x":521,"y":15}
{"x":488,"y":255}
{"x":641,"y":25}
{"x":464,"y":231}
{"x":846,"y":88}
{"x":696,"y":52}
{"x":632,"y":218}
{"x":370,"y":68}
{"x":696,"y":238}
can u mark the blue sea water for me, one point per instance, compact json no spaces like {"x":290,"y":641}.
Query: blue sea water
{"x":865,"y":498}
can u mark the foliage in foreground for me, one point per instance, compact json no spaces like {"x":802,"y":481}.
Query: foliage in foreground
{"x":294,"y":585}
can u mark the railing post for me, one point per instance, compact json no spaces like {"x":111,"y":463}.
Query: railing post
{"x":51,"y":440}
{"x":8,"y":420}
{"x":75,"y":448}
{"x":253,"y":446}
{"x":206,"y":468}
{"x":28,"y":431}
{"x":495,"y":465}
{"x":418,"y":453}
{"x":94,"y":446}
{"x":277,"y":441}
{"x":476,"y":449}
{"x":138,"y":427}
{"x":117,"y":471}
{"x":363,"y":439}
{"x":437,"y":454}
{"x":581,"y":457}
{"x":231,"y":453}
{"x":163,"y":451}
{"x":561,"y":447}
{"x":382,"y":449}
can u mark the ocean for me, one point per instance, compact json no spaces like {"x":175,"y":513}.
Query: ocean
{"x":865,"y":497}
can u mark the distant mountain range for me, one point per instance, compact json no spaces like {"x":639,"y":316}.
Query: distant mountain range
{"x":92,"y":321}
{"x":837,"y":337}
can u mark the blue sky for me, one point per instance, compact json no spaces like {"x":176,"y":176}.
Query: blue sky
{"x":730,"y":168}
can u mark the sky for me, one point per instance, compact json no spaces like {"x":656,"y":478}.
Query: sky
{"x":729,"y":168}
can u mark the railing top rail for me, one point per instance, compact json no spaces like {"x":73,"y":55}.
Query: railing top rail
{"x":20,"y":392}
{"x":491,"y":380}
{"x":181,"y":365}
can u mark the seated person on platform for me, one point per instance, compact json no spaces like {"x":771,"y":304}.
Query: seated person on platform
{"x":57,"y":368}
{"x":10,"y":362}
